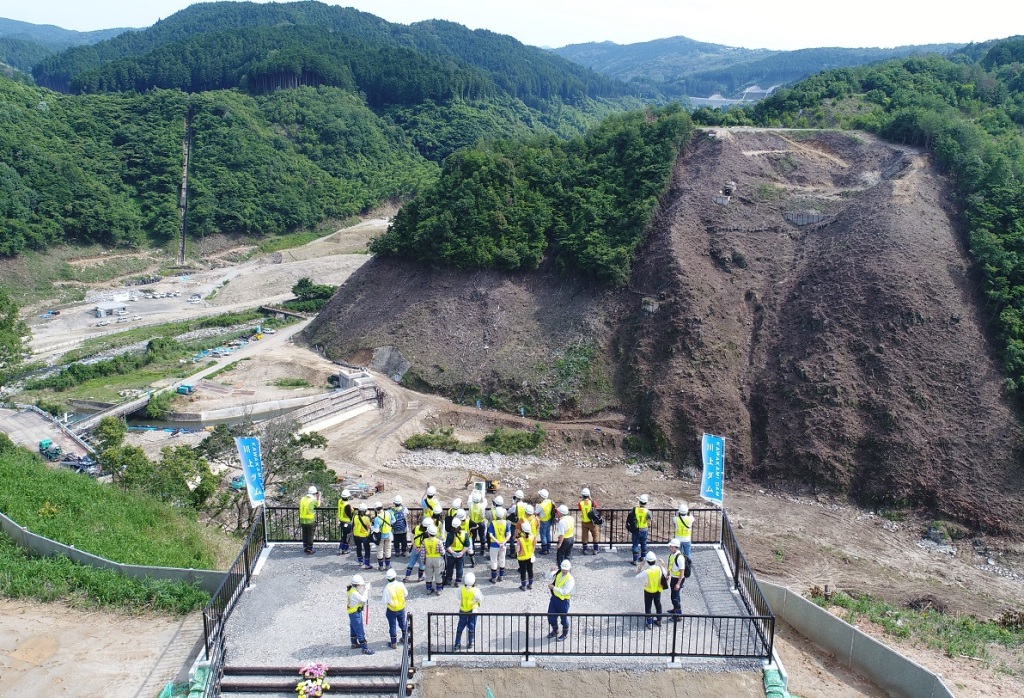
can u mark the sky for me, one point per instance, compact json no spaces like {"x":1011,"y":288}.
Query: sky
{"x":778,"y":25}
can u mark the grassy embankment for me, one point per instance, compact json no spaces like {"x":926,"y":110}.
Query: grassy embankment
{"x":105,"y":521}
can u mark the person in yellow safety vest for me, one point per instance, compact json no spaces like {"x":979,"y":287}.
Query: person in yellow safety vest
{"x":478,"y":520}
{"x":652,"y":576}
{"x":456,"y":544}
{"x":419,"y":533}
{"x":518,"y":510}
{"x":566,"y":532}
{"x":450,"y":513}
{"x":430,"y":500}
{"x":684,"y":529}
{"x":384,"y":526}
{"x":586,"y":506}
{"x":546,"y":514}
{"x":361,"y":525}
{"x":433,"y":550}
{"x":463,"y":515}
{"x":307,"y":518}
{"x":470,"y":599}
{"x":394,"y":599}
{"x":638,"y":522}
{"x":676,"y":578}
{"x":358,"y":592}
{"x":525,"y":544}
{"x":562,"y":586}
{"x":345,"y":514}
{"x":498,"y":533}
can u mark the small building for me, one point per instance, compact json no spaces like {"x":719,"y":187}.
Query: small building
{"x":111,"y":308}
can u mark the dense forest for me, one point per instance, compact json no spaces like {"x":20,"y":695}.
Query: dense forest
{"x":968,"y":109}
{"x":507,"y":204}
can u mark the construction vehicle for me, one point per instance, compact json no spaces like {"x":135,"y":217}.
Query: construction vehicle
{"x":186,"y":389}
{"x":490,"y":485}
{"x":50,"y":450}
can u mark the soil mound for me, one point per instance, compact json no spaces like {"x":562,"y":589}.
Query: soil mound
{"x":823,"y":317}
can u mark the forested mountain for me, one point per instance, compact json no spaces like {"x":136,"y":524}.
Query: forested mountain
{"x":342,"y":37}
{"x":23,"y":44}
{"x":678,"y":66}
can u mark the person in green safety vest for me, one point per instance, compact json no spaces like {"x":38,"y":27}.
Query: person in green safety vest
{"x":357,"y":593}
{"x":307,"y":518}
{"x":652,"y":577}
{"x":562,"y":586}
{"x":470,"y":599}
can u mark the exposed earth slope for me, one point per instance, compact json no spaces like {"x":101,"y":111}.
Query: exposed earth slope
{"x":824,"y":319}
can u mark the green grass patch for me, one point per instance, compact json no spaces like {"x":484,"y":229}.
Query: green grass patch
{"x":291,"y":383}
{"x":226,"y":367}
{"x":501,"y":440}
{"x":955,"y":635}
{"x":131,"y":528}
{"x":289,"y":240}
{"x":58,"y":578}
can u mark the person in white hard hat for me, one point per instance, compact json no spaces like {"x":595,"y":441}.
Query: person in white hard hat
{"x":652,"y":575}
{"x":383,"y":528}
{"x":437,"y":514}
{"x":307,"y":518}
{"x":400,"y":528}
{"x":345,"y":514}
{"x":637,"y":523}
{"x":676,"y":578}
{"x":546,"y":514}
{"x":518,"y":510}
{"x":362,"y":524}
{"x":561,"y":587}
{"x":470,"y":599}
{"x":566,"y":531}
{"x":433,"y":556}
{"x":525,"y":544}
{"x":478,"y":521}
{"x":684,"y":529}
{"x":456,"y":545}
{"x":394,"y":600}
{"x":358,"y":593}
{"x":419,"y":534}
{"x":589,"y":528}
{"x":499,"y":532}
{"x":430,"y":500}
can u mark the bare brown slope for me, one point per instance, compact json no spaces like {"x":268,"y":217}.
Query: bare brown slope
{"x":848,"y":354}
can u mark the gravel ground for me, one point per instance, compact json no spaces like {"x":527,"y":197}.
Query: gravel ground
{"x":294,"y":611}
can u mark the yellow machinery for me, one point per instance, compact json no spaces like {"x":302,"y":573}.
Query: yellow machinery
{"x":491,"y":486}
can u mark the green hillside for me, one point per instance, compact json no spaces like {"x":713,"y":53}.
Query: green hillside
{"x":967,"y":109}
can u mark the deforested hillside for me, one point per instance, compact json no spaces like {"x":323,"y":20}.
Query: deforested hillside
{"x":823,"y":318}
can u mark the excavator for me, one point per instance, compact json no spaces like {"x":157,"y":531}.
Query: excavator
{"x":491,"y":485}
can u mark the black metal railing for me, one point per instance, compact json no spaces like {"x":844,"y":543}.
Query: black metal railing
{"x":745,"y":583}
{"x":283,"y":525}
{"x":604,"y":635}
{"x":408,"y":660}
{"x":235,"y":581}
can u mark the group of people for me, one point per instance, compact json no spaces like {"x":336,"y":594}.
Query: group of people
{"x":439,"y":545}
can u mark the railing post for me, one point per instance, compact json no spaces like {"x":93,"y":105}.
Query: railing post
{"x":527,"y":616}
{"x":675,"y":634}
{"x":412,"y":643}
{"x":429,"y":635}
{"x":611,"y":528}
{"x":245,"y":554}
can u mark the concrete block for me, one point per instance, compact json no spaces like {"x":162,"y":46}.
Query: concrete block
{"x":828,"y":632}
{"x":891,"y":671}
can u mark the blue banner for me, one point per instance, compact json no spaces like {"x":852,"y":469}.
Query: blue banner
{"x":252,"y":467}
{"x":712,"y":450}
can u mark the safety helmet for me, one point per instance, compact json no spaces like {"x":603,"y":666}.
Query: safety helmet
{"x":431,"y":491}
{"x":585,"y":492}
{"x":500,"y":513}
{"x":643,"y":499}
{"x":683,"y":509}
{"x":362,"y":506}
{"x":518,"y":495}
{"x":460,"y":514}
{"x":651,"y":557}
{"x":529,"y":509}
{"x":378,"y":505}
{"x":431,"y":530}
{"x":562,"y":509}
{"x":398,"y":499}
{"x":499,"y":501}
{"x":437,"y":510}
{"x":543,"y":494}
{"x":527,"y":528}
{"x":674,"y":543}
{"x":566,"y":565}
{"x":345,"y":494}
{"x":475,"y":497}
{"x":457,"y":521}
{"x":456,"y":503}
{"x":312,"y":489}
{"x":470,"y":579}
{"x":428,"y":522}
{"x":357,"y":580}
{"x":391,"y":574}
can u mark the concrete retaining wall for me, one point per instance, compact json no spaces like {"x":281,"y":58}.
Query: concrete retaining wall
{"x":888,"y":669}
{"x":207,"y":580}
